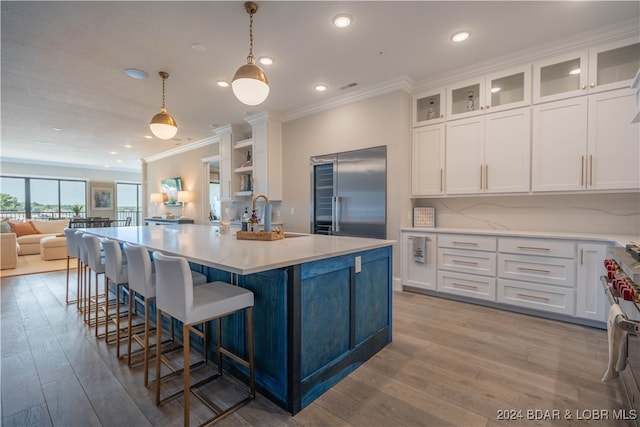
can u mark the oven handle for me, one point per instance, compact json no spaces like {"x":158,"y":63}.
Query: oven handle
{"x":622,"y":322}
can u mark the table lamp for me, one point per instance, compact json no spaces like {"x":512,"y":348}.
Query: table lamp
{"x":155,"y":199}
{"x":184,"y":197}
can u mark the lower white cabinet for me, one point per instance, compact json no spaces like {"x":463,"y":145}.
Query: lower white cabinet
{"x":555,"y":299}
{"x":554,"y":275}
{"x":591,"y":302}
{"x":415,"y":272}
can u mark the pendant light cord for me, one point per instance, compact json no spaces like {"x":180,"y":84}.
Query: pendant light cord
{"x":250,"y":58}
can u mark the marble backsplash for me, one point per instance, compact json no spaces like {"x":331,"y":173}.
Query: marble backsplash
{"x":573,"y":213}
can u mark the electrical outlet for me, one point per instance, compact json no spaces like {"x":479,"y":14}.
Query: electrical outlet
{"x":292,"y":211}
{"x":358,"y":264}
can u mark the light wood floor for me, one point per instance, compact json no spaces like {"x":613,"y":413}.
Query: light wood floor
{"x":449,"y":364}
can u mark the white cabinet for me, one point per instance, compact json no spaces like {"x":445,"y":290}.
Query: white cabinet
{"x":427,"y":160}
{"x":537,"y":274}
{"x":586,"y":143}
{"x":467,"y":266}
{"x":605,"y":67}
{"x":495,"y":92}
{"x":489,"y":154}
{"x":613,"y":146}
{"x":428,"y":107}
{"x":267,"y":155}
{"x":591,"y":302}
{"x":242,"y":164}
{"x":227,"y":135}
{"x":417,"y":273}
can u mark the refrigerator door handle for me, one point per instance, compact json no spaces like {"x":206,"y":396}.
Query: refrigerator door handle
{"x":333,"y":215}
{"x":337,"y":215}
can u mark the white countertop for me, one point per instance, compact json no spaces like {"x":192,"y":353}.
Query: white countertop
{"x":617,"y":240}
{"x":203,"y":244}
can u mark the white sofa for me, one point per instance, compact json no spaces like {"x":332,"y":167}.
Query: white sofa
{"x":30,"y":244}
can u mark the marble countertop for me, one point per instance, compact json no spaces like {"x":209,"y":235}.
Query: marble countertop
{"x":203,"y":244}
{"x":617,"y":240}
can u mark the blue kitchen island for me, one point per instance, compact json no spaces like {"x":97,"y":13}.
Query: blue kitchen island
{"x":322,"y":303}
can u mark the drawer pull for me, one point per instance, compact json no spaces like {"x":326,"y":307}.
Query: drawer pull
{"x":428,"y":239}
{"x":465,"y":243}
{"x":457,"y":261}
{"x":534,"y":297}
{"x":533,"y":248}
{"x":535,"y":270}
{"x":462,"y":285}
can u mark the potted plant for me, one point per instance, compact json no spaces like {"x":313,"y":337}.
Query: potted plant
{"x":76,"y":210}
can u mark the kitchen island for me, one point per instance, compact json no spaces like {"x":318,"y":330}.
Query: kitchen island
{"x":322,"y":303}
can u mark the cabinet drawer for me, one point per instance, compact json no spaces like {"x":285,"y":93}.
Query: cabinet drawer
{"x":549,"y":270}
{"x":468,"y":285}
{"x":478,"y":243}
{"x":554,"y":299}
{"x":544,"y":247}
{"x":476,"y":262}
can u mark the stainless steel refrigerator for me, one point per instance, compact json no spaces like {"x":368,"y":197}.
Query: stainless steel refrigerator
{"x":349,"y":193}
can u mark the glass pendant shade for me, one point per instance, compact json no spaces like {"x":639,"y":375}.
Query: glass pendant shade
{"x":163,"y":126}
{"x":250,"y":85}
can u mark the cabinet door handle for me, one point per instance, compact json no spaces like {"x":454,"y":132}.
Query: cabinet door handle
{"x":462,"y":285}
{"x":534,"y":297}
{"x":481,"y":177}
{"x":465,"y":243}
{"x":534,"y":270}
{"x":584,"y":87}
{"x":581,"y":171}
{"x":592,"y":85}
{"x":428,"y":239}
{"x":590,"y":170}
{"x":533,"y":248}
{"x":458,"y":261}
{"x":441,"y":180}
{"x":581,"y":256}
{"x":486,"y":176}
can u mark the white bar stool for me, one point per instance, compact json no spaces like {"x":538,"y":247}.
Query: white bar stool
{"x":116,"y":272}
{"x":142,"y":282}
{"x":72,"y":252}
{"x":95,"y":262}
{"x":177,"y":297}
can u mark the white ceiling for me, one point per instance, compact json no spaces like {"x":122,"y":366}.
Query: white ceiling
{"x":63,"y":62}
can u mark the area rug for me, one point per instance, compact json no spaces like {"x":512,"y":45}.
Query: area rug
{"x":31,"y":264}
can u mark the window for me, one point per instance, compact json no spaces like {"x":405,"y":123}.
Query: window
{"x":41,"y":198}
{"x":128,"y":203}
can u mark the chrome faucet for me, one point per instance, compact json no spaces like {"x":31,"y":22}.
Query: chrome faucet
{"x":259,"y":196}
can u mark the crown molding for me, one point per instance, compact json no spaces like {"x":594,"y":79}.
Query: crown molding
{"x":403,"y":83}
{"x":183,"y":149}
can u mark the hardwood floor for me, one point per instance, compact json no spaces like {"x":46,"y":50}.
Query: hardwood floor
{"x":450,"y":363}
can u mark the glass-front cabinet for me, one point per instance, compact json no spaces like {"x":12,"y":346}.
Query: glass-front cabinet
{"x":495,"y":92}
{"x":609,"y":66}
{"x":428,"y":108}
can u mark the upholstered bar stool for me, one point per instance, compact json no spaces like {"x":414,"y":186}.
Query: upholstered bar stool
{"x":72,"y":252}
{"x":142,"y":283}
{"x":177,"y":297}
{"x":95,"y":262}
{"x":116,"y":272}
{"x":84,"y":262}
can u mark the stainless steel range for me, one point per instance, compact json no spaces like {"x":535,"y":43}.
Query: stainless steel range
{"x":622,"y":286}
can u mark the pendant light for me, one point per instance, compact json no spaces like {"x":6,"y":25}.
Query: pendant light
{"x":250,"y":84}
{"x":162,"y":124}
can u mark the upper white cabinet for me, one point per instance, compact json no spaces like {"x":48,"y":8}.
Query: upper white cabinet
{"x":586,"y":143}
{"x":427,"y":160}
{"x":227,"y":134}
{"x":606,"y":67}
{"x":428,"y":107}
{"x":267,"y":155}
{"x":489,"y":154}
{"x":495,"y":92}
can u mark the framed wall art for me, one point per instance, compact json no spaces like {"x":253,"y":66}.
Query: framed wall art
{"x":102,"y":198}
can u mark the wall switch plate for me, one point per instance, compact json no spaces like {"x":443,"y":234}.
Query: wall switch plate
{"x":358,"y":264}
{"x":292,"y":211}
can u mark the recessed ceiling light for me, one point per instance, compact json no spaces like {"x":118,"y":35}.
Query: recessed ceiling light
{"x":57,"y":129}
{"x":136,"y":74}
{"x":320,"y":87}
{"x":574,"y":71}
{"x":107,"y":166}
{"x":495,"y":89}
{"x":113,"y":152}
{"x":265,"y":60}
{"x":222,"y":83}
{"x":128,"y":146}
{"x":460,"y":36}
{"x":198,"y":47}
{"x":148,"y":137}
{"x":118,"y":161}
{"x":342,"y":21}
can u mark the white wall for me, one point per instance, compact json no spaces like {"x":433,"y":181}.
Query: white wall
{"x":383,"y":120}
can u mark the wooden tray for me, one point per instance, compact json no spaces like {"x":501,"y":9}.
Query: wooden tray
{"x":260,"y":235}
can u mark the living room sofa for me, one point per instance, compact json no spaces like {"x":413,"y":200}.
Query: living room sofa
{"x":26,"y":240}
